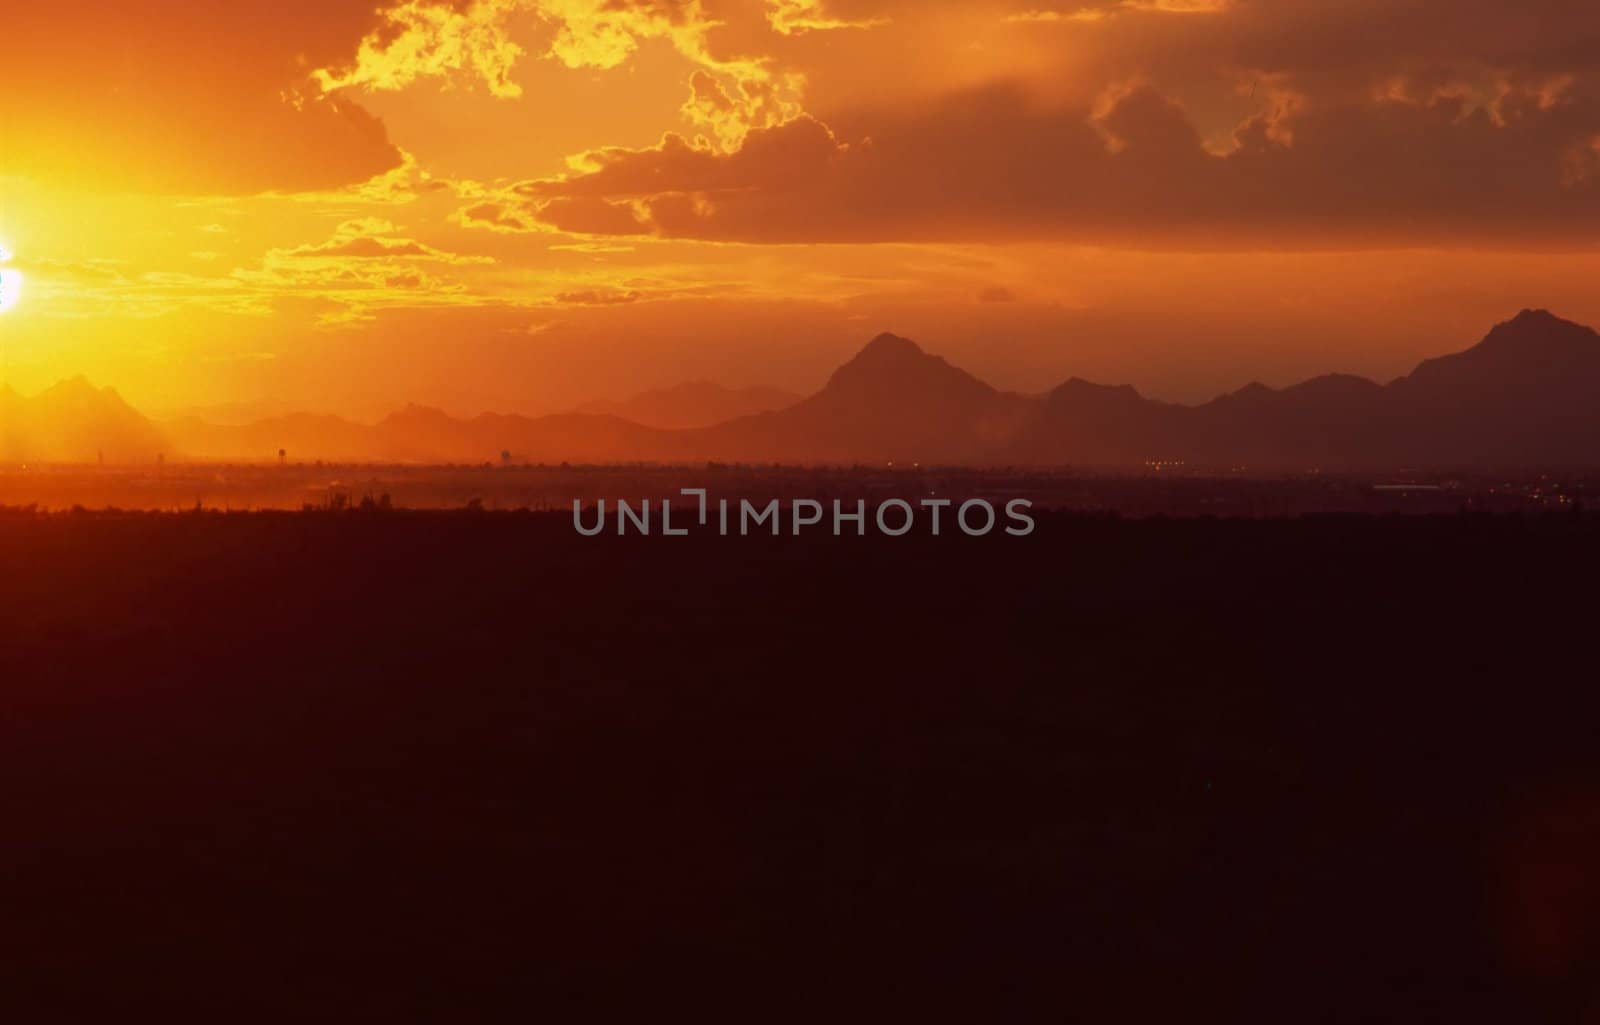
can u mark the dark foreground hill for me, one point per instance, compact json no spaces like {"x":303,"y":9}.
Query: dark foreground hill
{"x":450,"y":767}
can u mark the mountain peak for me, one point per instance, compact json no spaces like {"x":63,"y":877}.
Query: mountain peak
{"x":890,"y":363}
{"x":1534,"y":326}
{"x":889,"y":345}
{"x":75,"y":385}
{"x":74,"y":421}
{"x":895,"y":401}
{"x":1540,"y":316}
{"x":1535,"y":354}
{"x":884,"y":359}
{"x":1532,"y":342}
{"x":80,"y":391}
{"x":1077,"y":387}
{"x":416,"y":413}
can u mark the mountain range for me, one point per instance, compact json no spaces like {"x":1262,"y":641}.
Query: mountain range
{"x":75,"y":422}
{"x":692,"y":404}
{"x":1524,"y":396}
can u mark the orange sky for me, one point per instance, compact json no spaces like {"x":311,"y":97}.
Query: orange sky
{"x":522,"y":204}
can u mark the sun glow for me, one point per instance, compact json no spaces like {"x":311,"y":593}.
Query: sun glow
{"x":10,"y":283}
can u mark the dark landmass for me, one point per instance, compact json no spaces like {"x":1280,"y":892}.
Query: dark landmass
{"x":1524,"y":396}
{"x":1162,"y":491}
{"x":414,"y":766}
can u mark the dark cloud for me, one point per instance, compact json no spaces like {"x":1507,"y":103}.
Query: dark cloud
{"x":165,"y":97}
{"x":586,"y":215}
{"x":996,"y":165}
{"x":1330,"y":37}
{"x":498,"y":216}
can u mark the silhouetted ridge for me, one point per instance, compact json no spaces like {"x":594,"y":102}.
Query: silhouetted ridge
{"x":74,"y":421}
{"x":1523,"y":396}
{"x":1332,"y":385}
{"x":889,"y":345}
{"x":1540,"y":330}
{"x":891,"y":402}
{"x":692,"y":404}
{"x":1540,"y":319}
{"x":80,"y":390}
{"x":418,"y":415}
{"x":890,"y":363}
{"x":1255,"y":391}
{"x":1076,"y":389}
{"x":1534,"y":350}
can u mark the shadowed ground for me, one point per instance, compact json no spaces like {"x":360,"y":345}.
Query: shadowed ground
{"x":457,"y":767}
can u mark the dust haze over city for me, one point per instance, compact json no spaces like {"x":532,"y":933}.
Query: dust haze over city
{"x":453,"y":461}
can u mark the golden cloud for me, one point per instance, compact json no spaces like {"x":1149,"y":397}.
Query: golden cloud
{"x":422,"y":39}
{"x":372,"y":238}
{"x":797,"y":17}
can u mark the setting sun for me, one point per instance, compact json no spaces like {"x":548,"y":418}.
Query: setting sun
{"x":10,"y":283}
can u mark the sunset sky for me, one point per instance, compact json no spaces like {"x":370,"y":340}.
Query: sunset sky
{"x":518,"y":205}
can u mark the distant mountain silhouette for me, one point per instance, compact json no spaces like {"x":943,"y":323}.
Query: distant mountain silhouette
{"x":891,"y":402}
{"x":302,"y":435}
{"x":73,"y":421}
{"x":421,"y":434}
{"x":1524,"y":396}
{"x":692,"y":404}
{"x":231,"y":413}
{"x":1528,"y":393}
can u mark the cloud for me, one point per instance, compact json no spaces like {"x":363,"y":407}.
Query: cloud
{"x":622,"y":193}
{"x":597,"y":297}
{"x":403,"y":183}
{"x":133,"y":97}
{"x":1159,"y":122}
{"x":582,"y":215}
{"x":1326,"y":49}
{"x":728,"y":112}
{"x":995,"y":165}
{"x":471,"y":43}
{"x":498,"y":216}
{"x":1120,"y":7}
{"x":797,"y":17}
{"x":420,"y":39}
{"x":372,"y":238}
{"x":365,"y":266}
